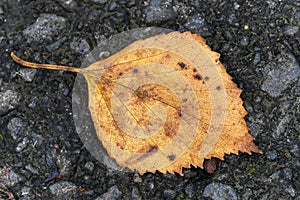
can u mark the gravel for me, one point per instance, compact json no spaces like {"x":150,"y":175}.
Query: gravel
{"x":42,"y":157}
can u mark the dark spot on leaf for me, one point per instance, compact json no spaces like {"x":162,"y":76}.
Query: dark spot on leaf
{"x":152,"y":149}
{"x":206,"y":78}
{"x":179,"y":114}
{"x":181,"y":64}
{"x":194,"y":70}
{"x":168,"y":133}
{"x":168,"y":56}
{"x":198,"y":77}
{"x":218,"y":88}
{"x":171,"y":157}
{"x":135,"y":71}
{"x":121,"y":73}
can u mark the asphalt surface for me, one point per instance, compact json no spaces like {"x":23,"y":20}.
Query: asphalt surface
{"x":41,"y":155}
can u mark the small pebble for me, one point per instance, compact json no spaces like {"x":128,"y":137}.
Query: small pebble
{"x":219,"y":191}
{"x":190,"y":190}
{"x":112,"y":6}
{"x":10,"y":178}
{"x":169,"y":194}
{"x":89,"y":166}
{"x":197,"y":25}
{"x":1,"y":11}
{"x":45,"y":28}
{"x":68,"y":4}
{"x":25,"y":190}
{"x":9,"y":100}
{"x":291,"y":30}
{"x":282,"y":72}
{"x":99,"y":1}
{"x":256,"y":59}
{"x":63,"y":189}
{"x":22,"y":145}
{"x":56,"y":44}
{"x":157,"y":13}
{"x":27,"y":74}
{"x":31,"y":169}
{"x":113,"y":193}
{"x":135,"y":194}
{"x":15,"y":127}
{"x":81,"y":46}
{"x":272,"y":155}
{"x":244,"y":41}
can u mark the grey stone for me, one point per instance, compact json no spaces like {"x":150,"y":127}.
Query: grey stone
{"x":99,"y":1}
{"x":290,"y":30}
{"x":56,"y":44}
{"x":25,"y":190}
{"x":157,"y":12}
{"x":22,"y":145}
{"x":190,"y":190}
{"x":45,"y":28}
{"x":272,"y":155}
{"x":15,"y":127}
{"x":287,"y":173}
{"x":65,"y":164}
{"x":112,"y":6}
{"x":283,"y":174}
{"x":31,"y":169}
{"x":245,"y":41}
{"x":63,"y":190}
{"x":137,"y":178}
{"x":219,"y":191}
{"x":169,"y":194}
{"x":295,"y":151}
{"x":27,"y":74}
{"x":9,"y":178}
{"x":290,"y":190}
{"x":9,"y":100}
{"x":81,"y":46}
{"x":89,"y":166}
{"x":14,"y":178}
{"x":282,"y":72}
{"x":68,"y":4}
{"x":256,"y":58}
{"x":281,"y":127}
{"x":112,"y":194}
{"x":135,"y":194}
{"x":236,"y":5}
{"x":247,"y":194}
{"x":33,"y":102}
{"x":198,"y":25}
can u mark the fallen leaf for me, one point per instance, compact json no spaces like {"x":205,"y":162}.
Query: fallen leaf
{"x":164,"y":103}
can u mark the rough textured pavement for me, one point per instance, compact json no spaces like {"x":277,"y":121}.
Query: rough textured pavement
{"x":42,"y":157}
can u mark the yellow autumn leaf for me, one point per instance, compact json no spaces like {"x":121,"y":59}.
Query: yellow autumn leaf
{"x":164,"y":103}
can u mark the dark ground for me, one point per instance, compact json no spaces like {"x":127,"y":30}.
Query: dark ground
{"x":259,"y":44}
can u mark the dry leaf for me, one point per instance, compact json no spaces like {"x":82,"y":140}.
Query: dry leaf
{"x":164,"y":103}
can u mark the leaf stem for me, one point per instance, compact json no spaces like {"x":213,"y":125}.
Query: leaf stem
{"x":44,"y":66}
